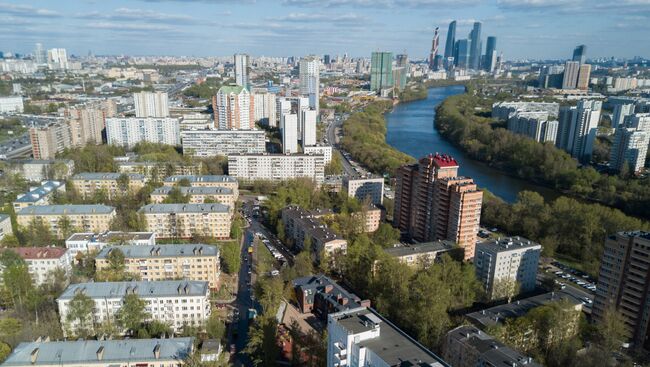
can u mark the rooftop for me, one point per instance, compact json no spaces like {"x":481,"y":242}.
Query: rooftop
{"x":35,"y":253}
{"x":144,"y":289}
{"x":111,"y":236}
{"x":4,"y":217}
{"x":506,"y":244}
{"x":37,"y":193}
{"x":310,"y":223}
{"x":204,"y":178}
{"x":231,"y":89}
{"x":196,"y":190}
{"x":421,"y":248}
{"x":184,"y":208}
{"x":106,"y":176}
{"x":338,"y":298}
{"x":491,"y":351}
{"x":392,"y":345}
{"x":82,"y":352}
{"x":135,"y":251}
{"x":444,"y":160}
{"x":68,"y":209}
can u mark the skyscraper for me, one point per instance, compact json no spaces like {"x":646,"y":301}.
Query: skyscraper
{"x":57,"y":58}
{"x":309,"y":71}
{"x":583,"y":77}
{"x":577,"y":128}
{"x":571,"y":73}
{"x":381,"y":71}
{"x":621,"y":111}
{"x":151,"y":104}
{"x":233,"y":108}
{"x":580,"y":54}
{"x":462,"y":53}
{"x":434,"y":50}
{"x":289,"y":133}
{"x":490,"y":54}
{"x":450,"y":44}
{"x":40,"y":55}
{"x":475,"y":53}
{"x":308,"y":128}
{"x":242,"y":62}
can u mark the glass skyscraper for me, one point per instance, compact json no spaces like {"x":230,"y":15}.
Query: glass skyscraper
{"x":381,"y":71}
{"x":580,"y":54}
{"x":490,"y":54}
{"x":462,"y":53}
{"x":451,"y":40}
{"x":475,"y":52}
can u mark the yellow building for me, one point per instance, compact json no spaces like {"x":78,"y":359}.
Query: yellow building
{"x":198,"y":195}
{"x":85,"y":218}
{"x":168,"y":262}
{"x":88,"y":184}
{"x":187,"y":220}
{"x":228,"y":182}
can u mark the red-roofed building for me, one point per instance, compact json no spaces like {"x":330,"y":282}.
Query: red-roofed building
{"x":41,"y":261}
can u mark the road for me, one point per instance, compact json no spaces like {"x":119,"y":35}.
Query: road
{"x":243,"y":301}
{"x":333,"y":139}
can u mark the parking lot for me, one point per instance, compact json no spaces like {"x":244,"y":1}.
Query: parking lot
{"x":566,"y":275}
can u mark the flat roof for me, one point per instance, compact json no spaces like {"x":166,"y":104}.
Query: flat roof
{"x":184,"y":208}
{"x":392,"y":345}
{"x":421,"y":248}
{"x":105,"y":176}
{"x":85,"y":351}
{"x":69,"y":209}
{"x":506,"y":244}
{"x":201,"y":178}
{"x":111,"y":236}
{"x":4,"y":217}
{"x":318,"y":284}
{"x":145,"y":251}
{"x":144,"y":289}
{"x":194,"y":190}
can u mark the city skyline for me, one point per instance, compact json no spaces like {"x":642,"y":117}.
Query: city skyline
{"x":532,"y":29}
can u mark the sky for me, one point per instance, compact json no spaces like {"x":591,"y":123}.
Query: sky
{"x":536,"y":29}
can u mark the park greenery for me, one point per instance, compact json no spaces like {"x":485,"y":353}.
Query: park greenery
{"x":465,"y":121}
{"x":364,"y":137}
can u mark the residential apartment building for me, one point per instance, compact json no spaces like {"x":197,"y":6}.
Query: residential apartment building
{"x":50,"y":140}
{"x":173,"y":302}
{"x":324,"y":150}
{"x":301,"y":225}
{"x":151,"y":104}
{"x":102,"y":353}
{"x":5,"y":226}
{"x":94,"y":217}
{"x":90,"y":241}
{"x":381,"y":71}
{"x":42,"y":261}
{"x":87,"y":122}
{"x":11,"y":104}
{"x":197,"y":195}
{"x":631,"y":143}
{"x":167,"y":262}
{"x":571,"y":74}
{"x":128,"y":131}
{"x":188,"y":220}
{"x":289,"y":129}
{"x":157,"y":171}
{"x":265,"y":109}
{"x":111,"y":184}
{"x":321,"y":296}
{"x":363,"y":189}
{"x":38,"y":170}
{"x":242,"y":63}
{"x":622,"y":284}
{"x":40,"y":195}
{"x":211,"y":143}
{"x":505,"y":110}
{"x":577,"y":128}
{"x":233,"y":108}
{"x":308,"y":127}
{"x":228,"y":182}
{"x":426,"y":253}
{"x":535,"y":125}
{"x":309,"y":74}
{"x":507,"y":266}
{"x":468,"y":346}
{"x":276,"y":167}
{"x":362,"y":337}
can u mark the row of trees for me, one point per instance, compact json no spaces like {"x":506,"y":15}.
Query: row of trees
{"x":477,"y":134}
{"x":364,"y":137}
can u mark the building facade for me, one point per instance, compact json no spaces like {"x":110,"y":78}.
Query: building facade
{"x":324,"y":150}
{"x":233,"y":109}
{"x":301,"y":225}
{"x":11,"y":104}
{"x":5,"y":226}
{"x":363,"y":189}
{"x":157,"y":171}
{"x":151,"y":104}
{"x":112,"y":184}
{"x":228,"y":182}
{"x":197,"y":195}
{"x":43,"y":261}
{"x":265,"y":109}
{"x":38,"y":170}
{"x":89,"y":218}
{"x":40,"y":195}
{"x":289,"y":129}
{"x":50,"y":140}
{"x":129,"y":131}
{"x":90,"y":241}
{"x":276,"y":167}
{"x":187,"y":220}
{"x":211,"y":143}
{"x":381,"y":71}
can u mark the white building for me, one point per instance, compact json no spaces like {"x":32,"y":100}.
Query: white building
{"x":309,"y":72}
{"x":631,"y":143}
{"x":362,"y":337}
{"x":276,"y":167}
{"x":362,"y":188}
{"x":577,"y":128}
{"x":210,"y":143}
{"x":324,"y":150}
{"x":11,"y":104}
{"x":289,"y":133}
{"x":57,"y":58}
{"x":90,"y":241}
{"x":535,"y":125}
{"x":621,"y":111}
{"x":129,"y":131}
{"x":503,"y":264}
{"x":42,"y":261}
{"x":242,"y":62}
{"x":308,"y":127}
{"x":151,"y":104}
{"x":265,"y":108}
{"x":174,"y":302}
{"x":233,"y":108}
{"x":282,"y":107}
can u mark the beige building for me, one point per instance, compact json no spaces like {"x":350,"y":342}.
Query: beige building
{"x":168,"y":262}
{"x":371,"y":218}
{"x":88,"y":184}
{"x":301,"y":225}
{"x":87,"y":218}
{"x":365,"y":188}
{"x":228,"y":182}
{"x":50,"y":140}
{"x":197,"y":195}
{"x":187,"y":220}
{"x":40,"y":195}
{"x":157,"y":171}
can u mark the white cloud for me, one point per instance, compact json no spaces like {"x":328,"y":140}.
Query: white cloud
{"x":27,"y":11}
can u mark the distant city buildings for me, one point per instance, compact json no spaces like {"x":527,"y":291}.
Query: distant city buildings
{"x":490,"y":60}
{"x":57,"y":59}
{"x":576,"y":73}
{"x":507,"y":266}
{"x":276,"y":167}
{"x":381,"y":71}
{"x":151,"y":104}
{"x":11,"y":105}
{"x":233,"y":108}
{"x":476,"y":46}
{"x":129,"y":131}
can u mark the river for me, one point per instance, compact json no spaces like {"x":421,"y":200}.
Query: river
{"x":412,"y":131}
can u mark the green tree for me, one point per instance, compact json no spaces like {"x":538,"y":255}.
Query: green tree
{"x":5,"y":351}
{"x":123,"y":183}
{"x":17,"y":283}
{"x":80,"y":315}
{"x":10,"y":329}
{"x":386,"y":235}
{"x":38,"y":234}
{"x":132,"y":315}
{"x":335,"y":166}
{"x":230,"y":257}
{"x":65,"y":226}
{"x":215,"y":327}
{"x":175,"y":196}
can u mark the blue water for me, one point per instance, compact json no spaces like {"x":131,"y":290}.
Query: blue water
{"x":412,"y":131}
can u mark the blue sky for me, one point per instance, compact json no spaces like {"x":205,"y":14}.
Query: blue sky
{"x":525,"y":28}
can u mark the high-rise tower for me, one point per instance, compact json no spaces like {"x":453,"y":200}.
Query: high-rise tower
{"x":434,"y":49}
{"x":490,"y":54}
{"x":475,"y":51}
{"x":580,"y":54}
{"x":451,"y":40}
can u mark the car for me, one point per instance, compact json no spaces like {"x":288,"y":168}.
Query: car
{"x":562,"y":285}
{"x":558,"y":273}
{"x":274,"y":273}
{"x":588,"y":300}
